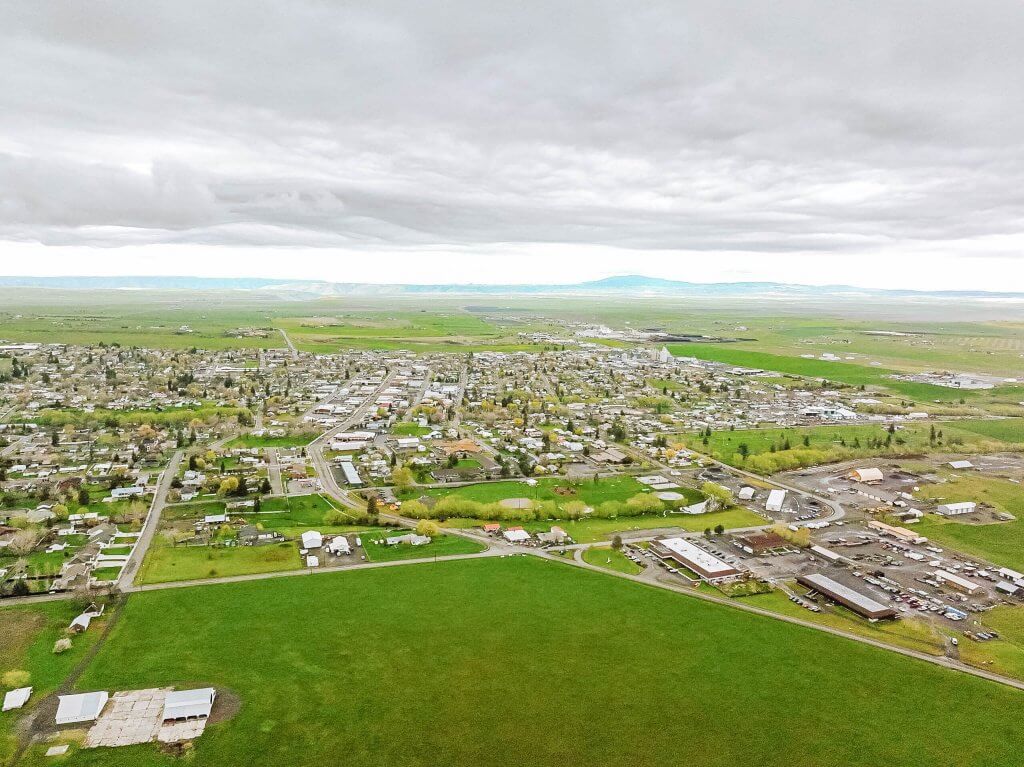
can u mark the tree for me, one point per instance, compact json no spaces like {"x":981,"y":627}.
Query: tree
{"x":228,"y":486}
{"x":371,"y":506}
{"x":401,"y":478}
{"x":718,"y":496}
{"x":617,"y":542}
{"x":83,"y":497}
{"x":719,"y":529}
{"x":428,"y":527}
{"x":744,"y":450}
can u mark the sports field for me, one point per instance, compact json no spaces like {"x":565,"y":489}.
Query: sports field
{"x":524,"y":662}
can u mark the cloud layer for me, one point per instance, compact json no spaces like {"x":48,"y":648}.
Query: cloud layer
{"x":756,"y":128}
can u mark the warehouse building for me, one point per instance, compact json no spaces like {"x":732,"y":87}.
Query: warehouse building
{"x":860,"y":603}
{"x":956,"y":509}
{"x":704,"y":564}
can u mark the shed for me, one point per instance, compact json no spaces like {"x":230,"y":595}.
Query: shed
{"x":867,"y":475}
{"x":189,"y":704}
{"x":776,"y":498}
{"x":83,"y":707}
{"x":311,"y":539}
{"x":16,"y":698}
{"x":339,"y":545}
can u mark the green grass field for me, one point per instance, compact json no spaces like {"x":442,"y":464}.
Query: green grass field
{"x":552,"y":666}
{"x":263,"y":440}
{"x":610,"y":559}
{"x":1001,"y":543}
{"x":591,"y":493}
{"x":849,"y":373}
{"x":440,"y":546}
{"x":840,"y":441}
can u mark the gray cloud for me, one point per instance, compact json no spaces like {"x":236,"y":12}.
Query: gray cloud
{"x":762,"y":127}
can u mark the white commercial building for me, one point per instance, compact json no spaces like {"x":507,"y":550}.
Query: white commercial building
{"x":776,"y":498}
{"x":955,"y":509}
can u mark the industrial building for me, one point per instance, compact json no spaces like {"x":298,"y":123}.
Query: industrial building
{"x":956,"y":509}
{"x":860,"y":603}
{"x":776,"y":499}
{"x":706,"y":565}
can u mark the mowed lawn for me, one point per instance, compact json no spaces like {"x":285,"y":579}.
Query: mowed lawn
{"x":591,"y":493}
{"x":518,"y":661}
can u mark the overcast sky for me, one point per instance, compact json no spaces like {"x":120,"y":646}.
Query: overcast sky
{"x":864,"y":143}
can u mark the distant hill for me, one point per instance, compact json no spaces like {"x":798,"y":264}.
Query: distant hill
{"x":625,"y":285}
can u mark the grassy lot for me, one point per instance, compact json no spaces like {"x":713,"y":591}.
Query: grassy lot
{"x":775,"y":449}
{"x":165,"y":563}
{"x":1004,"y":656}
{"x":407,"y":429}
{"x":841,"y":372}
{"x":29,"y":633}
{"x":912,"y":633}
{"x":603,"y":529}
{"x":609,"y":558}
{"x":999,"y":542}
{"x":591,"y":493}
{"x":290,"y":516}
{"x":342,"y":664}
{"x":440,"y":546}
{"x":265,"y":440}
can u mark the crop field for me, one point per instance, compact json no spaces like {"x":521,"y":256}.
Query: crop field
{"x":776,"y":449}
{"x":1001,"y":543}
{"x":322,"y":669}
{"x":455,"y":331}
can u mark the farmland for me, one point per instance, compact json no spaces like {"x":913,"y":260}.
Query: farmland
{"x":357,"y":677}
{"x":774,"y":449}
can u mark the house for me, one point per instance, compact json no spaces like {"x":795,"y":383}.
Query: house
{"x":81,"y":623}
{"x":311,"y":539}
{"x":492,"y":527}
{"x":556,"y":536}
{"x":119,"y":493}
{"x":83,"y":707}
{"x":516,"y":535}
{"x":181,"y":705}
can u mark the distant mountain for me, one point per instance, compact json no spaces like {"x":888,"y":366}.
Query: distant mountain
{"x":625,"y":285}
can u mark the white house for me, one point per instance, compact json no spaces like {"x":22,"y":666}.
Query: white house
{"x":516,"y":535}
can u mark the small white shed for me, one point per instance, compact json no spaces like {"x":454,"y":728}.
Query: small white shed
{"x":83,"y":707}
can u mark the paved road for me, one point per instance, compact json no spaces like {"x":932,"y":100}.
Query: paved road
{"x":315,"y":450}
{"x":274,"y":471}
{"x":291,"y":346}
{"x":126,"y":579}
